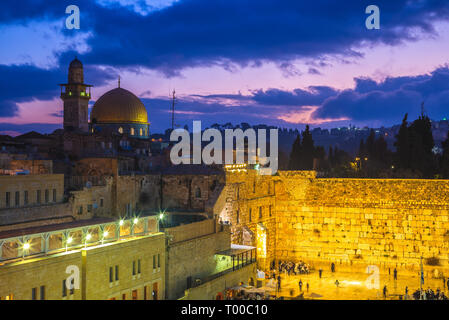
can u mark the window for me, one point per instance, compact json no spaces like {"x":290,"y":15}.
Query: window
{"x":116,"y":273}
{"x":64,"y":288}
{"x":260,"y":212}
{"x":38,"y":196}
{"x":120,"y":130}
{"x":138,"y":267}
{"x":250,"y":214}
{"x":154,"y":262}
{"x":89,"y":208}
{"x":254,"y":187}
{"x":111,"y":274}
{"x":238,"y":216}
{"x":101,"y":202}
{"x":134,"y":268}
{"x":47,"y":196}
{"x":25,"y":198}
{"x":33,"y":293}
{"x":80,"y":210}
{"x":42,"y":292}
{"x":8,"y":199}
{"x":269,"y":210}
{"x":141,"y":132}
{"x":158,"y":260}
{"x":132,"y":131}
{"x":17,"y":199}
{"x":198,"y":193}
{"x":134,"y":294}
{"x":54,"y":195}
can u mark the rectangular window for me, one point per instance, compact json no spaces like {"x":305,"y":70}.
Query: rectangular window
{"x":101,"y":202}
{"x":38,"y":196}
{"x":269,"y":210}
{"x":250,"y":214}
{"x":154,"y":262}
{"x":47,"y":196}
{"x":25,"y":198}
{"x":42,"y":292}
{"x":8,"y":199}
{"x":260,"y":212}
{"x":116,"y":273}
{"x":17,"y":199}
{"x":80,"y":210}
{"x":33,"y":293}
{"x":138,"y":267}
{"x":111,"y":274}
{"x":64,"y":288}
{"x":134,"y":268}
{"x":238,"y":216}
{"x":158,"y":260}
{"x":89,"y":208}
{"x":54,"y":195}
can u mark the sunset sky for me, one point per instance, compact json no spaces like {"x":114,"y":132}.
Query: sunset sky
{"x":277,"y":62}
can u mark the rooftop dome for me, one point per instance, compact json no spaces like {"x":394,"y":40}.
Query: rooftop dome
{"x":76,"y":64}
{"x":119,"y":106}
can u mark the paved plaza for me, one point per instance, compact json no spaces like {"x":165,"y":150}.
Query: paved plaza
{"x":352,"y":286}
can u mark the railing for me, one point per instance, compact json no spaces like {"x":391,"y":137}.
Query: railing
{"x":239,"y":261}
{"x":32,"y":245}
{"x":221,"y":273}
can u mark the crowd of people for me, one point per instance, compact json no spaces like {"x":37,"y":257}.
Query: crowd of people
{"x":290,"y":267}
{"x":429,"y":294}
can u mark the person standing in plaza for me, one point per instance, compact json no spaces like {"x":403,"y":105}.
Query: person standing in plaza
{"x":320,"y":272}
{"x":300,"y":285}
{"x":395,"y":274}
{"x":332,"y":267}
{"x":385,"y":291}
{"x":307,"y":287}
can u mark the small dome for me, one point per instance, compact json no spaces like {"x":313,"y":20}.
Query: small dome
{"x":76,"y":64}
{"x":119,"y":106}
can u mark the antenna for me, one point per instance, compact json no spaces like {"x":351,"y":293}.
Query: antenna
{"x":119,"y":81}
{"x":173,"y":109}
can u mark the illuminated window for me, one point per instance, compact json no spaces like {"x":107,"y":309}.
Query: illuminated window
{"x":120,"y":130}
{"x":83,"y":94}
{"x":132,"y":131}
{"x":141,"y":132}
{"x":260,"y":212}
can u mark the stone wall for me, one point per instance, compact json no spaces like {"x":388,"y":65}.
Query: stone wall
{"x":353,"y":222}
{"x":192,"y":255}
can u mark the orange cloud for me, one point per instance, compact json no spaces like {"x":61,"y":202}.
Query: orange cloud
{"x":305,"y":115}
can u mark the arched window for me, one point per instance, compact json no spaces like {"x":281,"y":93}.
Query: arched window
{"x":132,"y":131}
{"x":141,"y":132}
{"x":120,"y":130}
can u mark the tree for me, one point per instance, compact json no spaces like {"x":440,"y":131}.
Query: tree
{"x":402,"y":145}
{"x":307,"y":150}
{"x":295,"y":154}
{"x":444,"y":161}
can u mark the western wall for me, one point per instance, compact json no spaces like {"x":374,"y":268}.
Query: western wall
{"x":293,"y":215}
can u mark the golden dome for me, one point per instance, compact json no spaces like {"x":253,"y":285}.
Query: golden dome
{"x":119,"y":106}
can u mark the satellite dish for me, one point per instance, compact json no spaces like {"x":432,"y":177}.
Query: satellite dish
{"x":88,"y":184}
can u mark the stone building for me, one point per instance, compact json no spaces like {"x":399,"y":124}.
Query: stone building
{"x":108,"y":260}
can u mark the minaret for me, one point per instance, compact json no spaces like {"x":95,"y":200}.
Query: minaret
{"x":76,"y":99}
